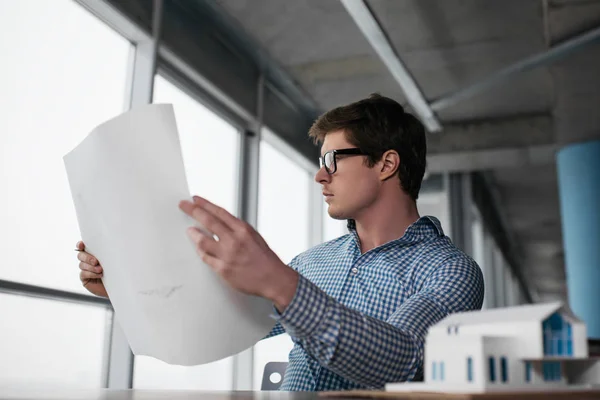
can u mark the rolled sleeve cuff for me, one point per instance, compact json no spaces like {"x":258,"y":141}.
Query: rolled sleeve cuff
{"x":306,"y":312}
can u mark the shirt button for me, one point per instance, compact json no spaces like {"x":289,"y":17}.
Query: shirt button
{"x":354,"y":270}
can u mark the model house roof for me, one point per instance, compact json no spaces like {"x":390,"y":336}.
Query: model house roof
{"x":528,"y":312}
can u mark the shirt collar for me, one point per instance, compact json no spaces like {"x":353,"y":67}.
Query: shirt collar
{"x":423,"y":227}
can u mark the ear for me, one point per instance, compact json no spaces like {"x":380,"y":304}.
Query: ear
{"x":390,"y":162}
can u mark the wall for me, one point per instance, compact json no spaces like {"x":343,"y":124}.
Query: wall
{"x":580,"y":340}
{"x":510,"y":349}
{"x":454,"y":351}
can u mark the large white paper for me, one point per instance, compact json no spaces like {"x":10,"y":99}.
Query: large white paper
{"x":127,"y":179}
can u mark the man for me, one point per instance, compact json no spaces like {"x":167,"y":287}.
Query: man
{"x":357,"y":307}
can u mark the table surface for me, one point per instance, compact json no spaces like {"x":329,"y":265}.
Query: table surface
{"x":136,"y":394}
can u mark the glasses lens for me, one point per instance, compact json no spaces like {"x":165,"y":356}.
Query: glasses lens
{"x":329,"y":161}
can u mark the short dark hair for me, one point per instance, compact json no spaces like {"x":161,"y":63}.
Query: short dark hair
{"x":378,"y":124}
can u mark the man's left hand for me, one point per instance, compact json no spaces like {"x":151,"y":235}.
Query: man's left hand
{"x":239,"y":254}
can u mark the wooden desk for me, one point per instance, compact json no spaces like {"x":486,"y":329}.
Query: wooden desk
{"x":105,"y":394}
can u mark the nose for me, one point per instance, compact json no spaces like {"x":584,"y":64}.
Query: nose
{"x":322,"y":176}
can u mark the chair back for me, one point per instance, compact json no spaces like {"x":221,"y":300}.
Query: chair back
{"x":273,"y":375}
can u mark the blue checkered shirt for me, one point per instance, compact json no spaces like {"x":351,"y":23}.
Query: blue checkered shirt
{"x":360,"y":320}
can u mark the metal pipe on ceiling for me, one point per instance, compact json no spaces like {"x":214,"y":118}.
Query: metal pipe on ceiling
{"x":537,"y":60}
{"x":375,"y":35}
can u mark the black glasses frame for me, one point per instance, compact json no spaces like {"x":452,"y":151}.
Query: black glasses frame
{"x":331,"y":169}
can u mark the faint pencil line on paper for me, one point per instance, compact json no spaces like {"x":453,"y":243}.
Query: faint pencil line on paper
{"x":165,"y":291}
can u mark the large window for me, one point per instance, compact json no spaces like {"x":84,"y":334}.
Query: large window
{"x":435,"y":203}
{"x":209,"y":145}
{"x":283,"y":220}
{"x":51,"y":343}
{"x":210,"y":152}
{"x":63,"y":72}
{"x":283,"y":203}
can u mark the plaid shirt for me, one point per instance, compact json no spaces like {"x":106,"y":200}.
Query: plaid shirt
{"x":360,"y":320}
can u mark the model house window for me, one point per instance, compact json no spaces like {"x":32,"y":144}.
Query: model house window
{"x":504,"y":369}
{"x":552,"y":371}
{"x":492,"y":370}
{"x":455,"y":329}
{"x":470,"y":369}
{"x":557,"y":336}
{"x":442,"y":371}
{"x":528,"y":372}
{"x":433,"y":371}
{"x":569,"y":339}
{"x":556,"y":371}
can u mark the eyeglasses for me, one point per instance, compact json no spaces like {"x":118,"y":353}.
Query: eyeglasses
{"x":329,"y":159}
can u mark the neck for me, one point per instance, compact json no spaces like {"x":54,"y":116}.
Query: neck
{"x":385,"y":220}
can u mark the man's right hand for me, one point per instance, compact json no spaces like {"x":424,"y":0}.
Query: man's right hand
{"x":91,"y":272}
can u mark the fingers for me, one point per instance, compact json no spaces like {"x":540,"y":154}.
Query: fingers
{"x":204,"y":244}
{"x":211,"y":261}
{"x":87,"y":258}
{"x":89,"y":265}
{"x":80,"y":246}
{"x":85,"y":275}
{"x":209,"y":221}
{"x":220,"y":213}
{"x":97,"y":269}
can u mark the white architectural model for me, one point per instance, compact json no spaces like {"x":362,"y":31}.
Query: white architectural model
{"x":531,"y":347}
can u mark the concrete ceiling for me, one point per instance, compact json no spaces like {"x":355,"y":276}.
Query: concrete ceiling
{"x":512,"y":129}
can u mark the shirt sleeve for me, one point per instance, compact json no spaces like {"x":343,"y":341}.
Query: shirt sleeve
{"x":277,"y":330}
{"x":372,"y":352}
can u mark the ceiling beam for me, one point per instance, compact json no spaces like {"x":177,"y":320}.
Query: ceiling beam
{"x":364,"y":17}
{"x":491,"y":144}
{"x":482,"y":160}
{"x":537,"y":60}
{"x":521,"y":131}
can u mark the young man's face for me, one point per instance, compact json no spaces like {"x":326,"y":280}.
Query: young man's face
{"x":353,"y":186}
